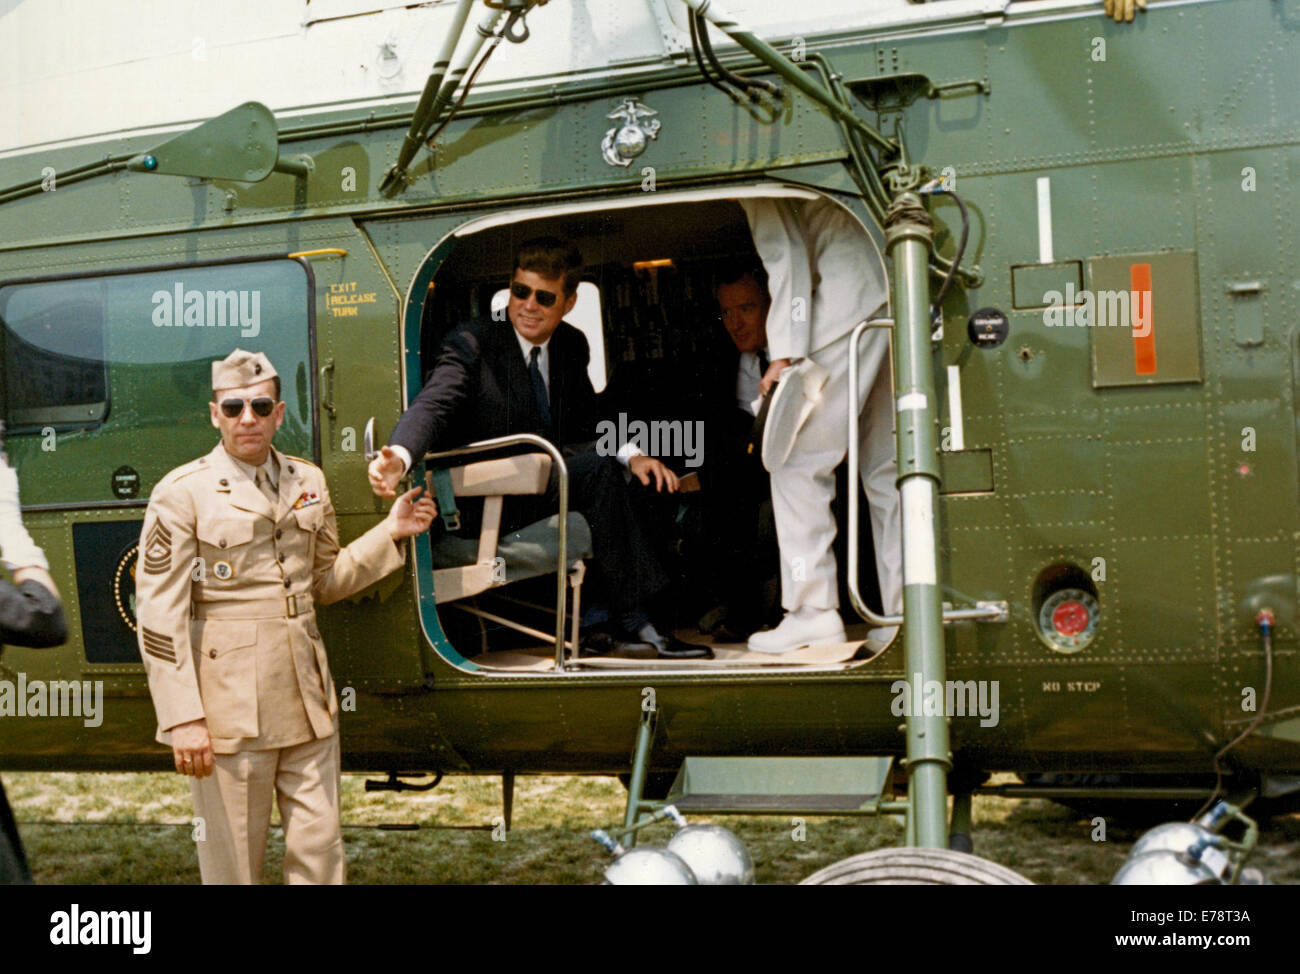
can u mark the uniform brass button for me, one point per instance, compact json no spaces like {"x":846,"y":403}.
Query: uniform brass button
{"x":287,"y":583}
{"x":291,"y":468}
{"x":222,"y":543}
{"x":278,"y":532}
{"x":281,"y":558}
{"x":212,"y":653}
{"x":225,"y":482}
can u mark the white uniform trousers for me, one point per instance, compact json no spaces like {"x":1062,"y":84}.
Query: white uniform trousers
{"x":234,"y":803}
{"x":804,"y":487}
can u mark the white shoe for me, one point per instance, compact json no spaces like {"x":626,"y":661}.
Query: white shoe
{"x":805,"y":627}
{"x":882,"y":636}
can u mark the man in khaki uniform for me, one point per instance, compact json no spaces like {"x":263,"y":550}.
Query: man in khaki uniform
{"x":235,"y":550}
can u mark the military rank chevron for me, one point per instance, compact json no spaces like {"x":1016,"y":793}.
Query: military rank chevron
{"x":158,"y":645}
{"x":158,"y":550}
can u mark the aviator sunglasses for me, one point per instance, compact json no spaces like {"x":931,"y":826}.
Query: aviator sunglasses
{"x":545,"y":298}
{"x":234,"y":408}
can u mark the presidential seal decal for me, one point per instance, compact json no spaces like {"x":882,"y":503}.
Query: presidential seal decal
{"x":124,"y":585}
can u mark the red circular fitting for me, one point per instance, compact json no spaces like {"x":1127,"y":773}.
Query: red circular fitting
{"x":1070,"y":618}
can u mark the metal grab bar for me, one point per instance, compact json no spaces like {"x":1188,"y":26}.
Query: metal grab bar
{"x":986,"y":611}
{"x":561,"y":558}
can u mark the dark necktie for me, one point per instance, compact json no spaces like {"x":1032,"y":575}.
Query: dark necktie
{"x":763,"y":363}
{"x":539,"y":387}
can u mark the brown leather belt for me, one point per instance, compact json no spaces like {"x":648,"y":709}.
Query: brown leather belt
{"x":289,"y":607}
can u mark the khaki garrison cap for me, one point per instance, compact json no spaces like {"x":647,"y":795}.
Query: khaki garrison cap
{"x":240,"y":368}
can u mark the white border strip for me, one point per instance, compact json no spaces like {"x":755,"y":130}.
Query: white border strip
{"x":954,"y":408}
{"x":1044,"y":220}
{"x":918,"y":522}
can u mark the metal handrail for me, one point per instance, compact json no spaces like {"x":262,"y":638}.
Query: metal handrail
{"x":987,"y":611}
{"x":561,"y":558}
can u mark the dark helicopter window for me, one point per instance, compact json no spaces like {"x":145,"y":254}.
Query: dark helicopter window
{"x":124,"y":362}
{"x":54,"y":366}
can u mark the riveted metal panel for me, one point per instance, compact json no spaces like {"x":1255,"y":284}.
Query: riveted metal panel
{"x":966,"y":471}
{"x":1159,"y":344}
{"x":1031,"y":284}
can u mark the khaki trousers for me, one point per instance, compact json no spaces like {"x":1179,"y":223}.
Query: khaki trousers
{"x":234,"y":803}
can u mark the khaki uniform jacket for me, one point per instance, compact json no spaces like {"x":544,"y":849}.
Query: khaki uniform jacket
{"x":225,"y":586}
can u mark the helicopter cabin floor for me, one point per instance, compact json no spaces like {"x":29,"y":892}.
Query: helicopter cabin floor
{"x":541,"y":658}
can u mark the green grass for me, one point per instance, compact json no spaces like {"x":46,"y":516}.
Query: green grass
{"x":143,"y":835}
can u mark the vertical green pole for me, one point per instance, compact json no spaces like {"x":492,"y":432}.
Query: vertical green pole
{"x":909,"y":239}
{"x":640,"y":761}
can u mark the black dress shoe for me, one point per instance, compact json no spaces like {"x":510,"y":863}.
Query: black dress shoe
{"x":598,"y":642}
{"x":674,"y":648}
{"x":595,"y":643}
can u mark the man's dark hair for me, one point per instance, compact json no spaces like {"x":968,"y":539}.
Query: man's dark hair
{"x":732,"y":271}
{"x":275,"y":379}
{"x":551,"y":257}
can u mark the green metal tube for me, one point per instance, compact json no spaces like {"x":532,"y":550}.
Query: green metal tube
{"x":433,"y":86}
{"x":640,"y":762}
{"x":296,"y":166}
{"x":1153,"y":793}
{"x":420,"y":125}
{"x":909,"y":240}
{"x":769,"y":56}
{"x":485,"y":29}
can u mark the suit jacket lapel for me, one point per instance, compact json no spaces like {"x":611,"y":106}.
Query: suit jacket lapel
{"x":555,"y":381}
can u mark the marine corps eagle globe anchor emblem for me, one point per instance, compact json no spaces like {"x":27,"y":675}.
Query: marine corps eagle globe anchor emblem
{"x":624,"y":143}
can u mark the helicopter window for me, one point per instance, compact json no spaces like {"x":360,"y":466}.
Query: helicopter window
{"x":54,"y":354}
{"x":127,"y":357}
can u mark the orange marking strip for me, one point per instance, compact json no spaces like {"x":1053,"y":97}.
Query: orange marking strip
{"x":1144,"y":334}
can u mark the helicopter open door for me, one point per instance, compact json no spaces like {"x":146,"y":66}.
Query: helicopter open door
{"x":651,"y":264}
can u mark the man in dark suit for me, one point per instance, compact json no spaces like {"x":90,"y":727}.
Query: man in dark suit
{"x":739,"y":526}
{"x":529,"y":375}
{"x":30,"y":615}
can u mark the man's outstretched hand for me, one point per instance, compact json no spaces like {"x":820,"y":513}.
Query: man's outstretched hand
{"x":410,"y":516}
{"x":385,"y":471}
{"x":772,"y":375}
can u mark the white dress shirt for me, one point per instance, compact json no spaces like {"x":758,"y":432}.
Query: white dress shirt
{"x":268,"y":471}
{"x":748,"y":374}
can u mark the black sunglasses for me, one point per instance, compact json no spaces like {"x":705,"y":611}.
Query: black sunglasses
{"x":545,"y":298}
{"x":234,"y":408}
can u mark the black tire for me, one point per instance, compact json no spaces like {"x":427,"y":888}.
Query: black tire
{"x":915,"y":867}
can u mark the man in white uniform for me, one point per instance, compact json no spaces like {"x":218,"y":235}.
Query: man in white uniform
{"x":824,"y":277}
